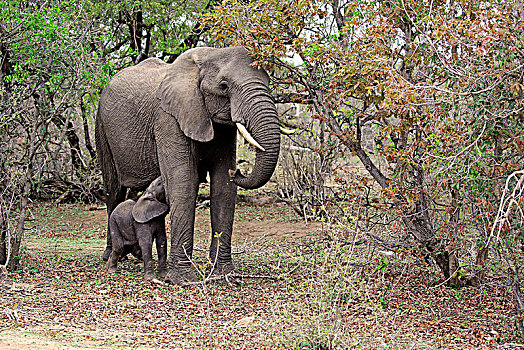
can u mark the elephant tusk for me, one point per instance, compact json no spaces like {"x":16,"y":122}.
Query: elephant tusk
{"x":286,"y":131}
{"x":245,"y":134}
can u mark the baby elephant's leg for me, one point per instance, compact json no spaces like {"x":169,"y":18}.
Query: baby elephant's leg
{"x":161,"y":249}
{"x":145,"y":239}
{"x":118,"y":246}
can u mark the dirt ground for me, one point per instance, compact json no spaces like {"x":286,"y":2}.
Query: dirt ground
{"x":300,"y":293}
{"x":76,"y":233}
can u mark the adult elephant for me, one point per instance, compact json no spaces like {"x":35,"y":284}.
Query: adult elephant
{"x":180,"y":121}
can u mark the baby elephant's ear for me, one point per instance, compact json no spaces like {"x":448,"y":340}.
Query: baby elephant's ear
{"x":147,"y":208}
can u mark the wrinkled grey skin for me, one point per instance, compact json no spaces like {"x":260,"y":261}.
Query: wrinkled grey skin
{"x":139,"y":223}
{"x":178,"y":121}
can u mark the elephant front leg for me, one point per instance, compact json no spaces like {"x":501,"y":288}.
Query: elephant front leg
{"x":145,"y":240}
{"x":223,"y":195}
{"x":161,"y":249}
{"x":178,"y":157}
{"x":182,"y":204}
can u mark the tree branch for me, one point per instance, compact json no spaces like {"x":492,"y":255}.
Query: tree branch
{"x":292,"y":97}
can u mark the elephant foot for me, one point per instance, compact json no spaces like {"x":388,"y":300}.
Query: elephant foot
{"x":162,"y":273}
{"x":111,"y":268}
{"x":107,"y":254}
{"x":149,"y":276}
{"x":182,"y":276}
{"x":227,"y":272}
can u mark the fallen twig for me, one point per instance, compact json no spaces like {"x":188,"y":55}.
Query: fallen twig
{"x":12,"y":315}
{"x":199,"y":249}
{"x":204,"y":204}
{"x":227,"y":278}
{"x":262,"y":276}
{"x":96,"y":207}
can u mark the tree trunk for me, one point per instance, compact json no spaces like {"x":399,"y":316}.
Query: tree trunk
{"x":15,"y":250}
{"x":519,"y":305}
{"x":480,"y":266}
{"x":26,"y":190}
{"x":87,"y":137}
{"x":72,"y":139}
{"x":3,"y":237}
{"x":22,"y":216}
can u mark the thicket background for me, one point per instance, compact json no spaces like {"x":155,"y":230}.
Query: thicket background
{"x":408,"y":115}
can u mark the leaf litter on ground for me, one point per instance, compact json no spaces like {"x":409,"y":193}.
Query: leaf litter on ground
{"x":66,"y":295}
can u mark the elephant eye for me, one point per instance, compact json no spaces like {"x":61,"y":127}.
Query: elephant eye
{"x":223,"y":85}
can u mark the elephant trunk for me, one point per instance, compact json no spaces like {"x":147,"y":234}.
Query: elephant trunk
{"x":257,"y":111}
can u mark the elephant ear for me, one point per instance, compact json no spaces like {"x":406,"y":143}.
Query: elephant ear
{"x":147,"y":208}
{"x":180,"y":96}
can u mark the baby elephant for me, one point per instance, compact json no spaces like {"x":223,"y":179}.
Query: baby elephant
{"x":140,"y":222}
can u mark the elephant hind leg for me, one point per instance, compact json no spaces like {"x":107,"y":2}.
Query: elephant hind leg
{"x":114,"y":192}
{"x":117,"y":249}
{"x":113,"y":198}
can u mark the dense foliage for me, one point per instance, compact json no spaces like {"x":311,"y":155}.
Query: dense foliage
{"x":438,"y":85}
